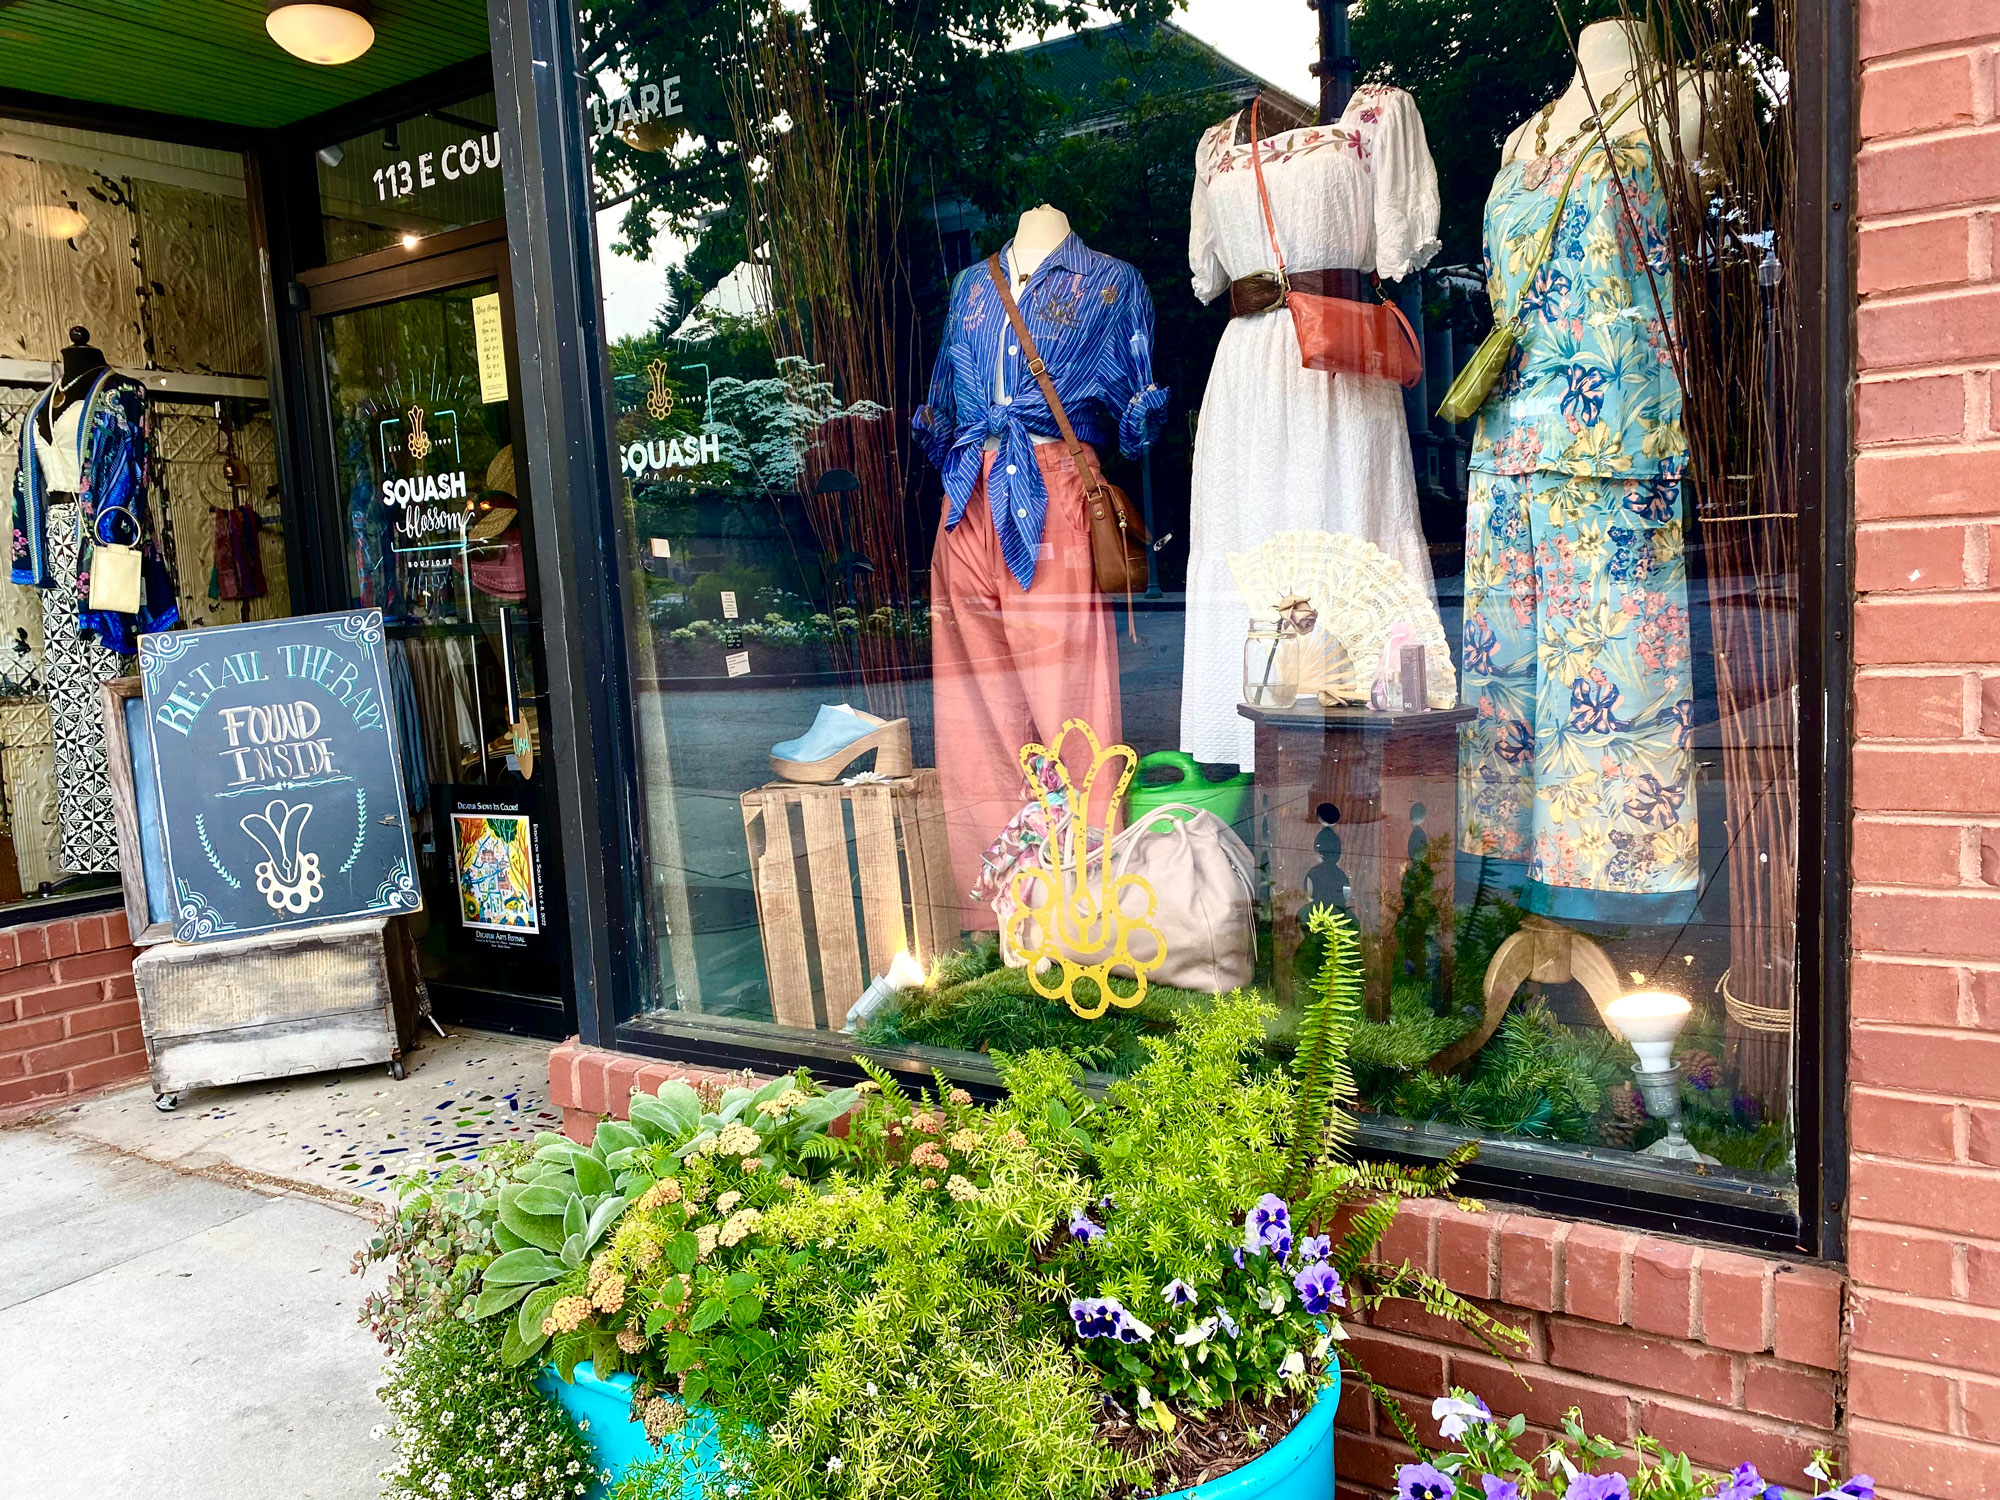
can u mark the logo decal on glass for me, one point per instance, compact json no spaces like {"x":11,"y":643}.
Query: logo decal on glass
{"x":660,"y":398}
{"x":419,"y":441}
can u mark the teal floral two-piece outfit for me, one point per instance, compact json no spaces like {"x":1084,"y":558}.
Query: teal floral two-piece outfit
{"x":1577,"y":648}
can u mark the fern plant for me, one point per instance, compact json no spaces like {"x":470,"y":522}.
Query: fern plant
{"x":1329,"y":1188}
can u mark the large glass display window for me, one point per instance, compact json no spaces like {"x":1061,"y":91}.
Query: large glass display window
{"x":1080,"y":515}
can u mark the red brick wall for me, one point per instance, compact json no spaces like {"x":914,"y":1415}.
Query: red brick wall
{"x":588,"y":1083}
{"x":1728,"y":1356}
{"x":1923,"y":1384}
{"x":69,"y":1016}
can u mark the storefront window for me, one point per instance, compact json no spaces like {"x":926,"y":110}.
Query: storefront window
{"x":892,"y":304}
{"x":133,"y":412}
{"x":411,"y":180}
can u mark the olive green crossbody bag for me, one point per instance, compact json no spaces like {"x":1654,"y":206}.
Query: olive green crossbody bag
{"x":1482,"y":372}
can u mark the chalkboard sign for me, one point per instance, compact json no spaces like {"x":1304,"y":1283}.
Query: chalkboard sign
{"x":274,"y":750}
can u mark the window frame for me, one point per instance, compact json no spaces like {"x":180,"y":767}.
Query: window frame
{"x":552,"y":230}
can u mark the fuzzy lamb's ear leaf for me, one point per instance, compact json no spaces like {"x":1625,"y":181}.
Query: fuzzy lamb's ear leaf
{"x":535,"y":1229}
{"x":572,"y":1250}
{"x":528,"y":1322}
{"x":518,"y":1266}
{"x":574,"y":1219}
{"x":615,"y":1135}
{"x":498,"y":1299}
{"x":681,"y":1105}
{"x":591,"y":1176}
{"x":601,"y":1218}
{"x":515,"y":1350}
{"x":548,"y":1201}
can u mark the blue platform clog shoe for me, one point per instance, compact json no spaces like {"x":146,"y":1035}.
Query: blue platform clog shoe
{"x":841,"y":735}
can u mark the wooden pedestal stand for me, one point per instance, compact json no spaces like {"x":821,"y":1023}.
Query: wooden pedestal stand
{"x":1373,"y":781}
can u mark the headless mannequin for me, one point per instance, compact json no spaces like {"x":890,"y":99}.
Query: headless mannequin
{"x":80,"y":360}
{"x":1041,"y":229}
{"x":1609,"y":55}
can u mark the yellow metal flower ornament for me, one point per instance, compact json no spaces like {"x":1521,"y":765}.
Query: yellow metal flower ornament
{"x":1078,"y":918}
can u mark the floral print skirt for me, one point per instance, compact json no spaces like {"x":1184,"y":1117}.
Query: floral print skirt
{"x":1577,"y":656}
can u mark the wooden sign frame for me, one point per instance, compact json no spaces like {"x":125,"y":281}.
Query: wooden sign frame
{"x":141,"y":849}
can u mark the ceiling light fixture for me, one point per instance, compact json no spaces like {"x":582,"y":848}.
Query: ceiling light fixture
{"x":321,"y":31}
{"x":52,"y":221}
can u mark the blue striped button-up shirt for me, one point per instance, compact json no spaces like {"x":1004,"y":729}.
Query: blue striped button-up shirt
{"x":1092,"y":320}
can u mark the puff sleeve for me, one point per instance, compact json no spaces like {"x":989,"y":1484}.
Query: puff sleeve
{"x":1406,"y":183}
{"x":1211,"y":277}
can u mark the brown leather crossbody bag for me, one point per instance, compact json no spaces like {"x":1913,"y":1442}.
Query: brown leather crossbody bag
{"x":1117,"y":534}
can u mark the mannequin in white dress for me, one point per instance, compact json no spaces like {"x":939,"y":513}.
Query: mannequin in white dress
{"x":1280,"y":447}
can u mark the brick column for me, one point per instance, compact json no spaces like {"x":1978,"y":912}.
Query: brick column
{"x":1923,"y":1395}
{"x":69,"y":1016}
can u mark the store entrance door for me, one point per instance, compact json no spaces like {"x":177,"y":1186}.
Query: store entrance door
{"x":427,"y":497}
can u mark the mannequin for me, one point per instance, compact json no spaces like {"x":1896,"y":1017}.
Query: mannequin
{"x":1610,"y":55}
{"x":1022,"y":640}
{"x":83,"y":457}
{"x":80,"y":359}
{"x":1039,"y":231}
{"x":1577,"y":779}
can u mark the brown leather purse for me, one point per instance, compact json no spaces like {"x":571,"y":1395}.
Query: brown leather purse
{"x":1342,"y":334}
{"x":1117,"y":534}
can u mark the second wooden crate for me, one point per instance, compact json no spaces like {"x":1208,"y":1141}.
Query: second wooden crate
{"x":820,"y":853}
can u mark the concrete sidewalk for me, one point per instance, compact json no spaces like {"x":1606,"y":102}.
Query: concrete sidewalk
{"x":177,"y":1336}
{"x":177,"y":1318}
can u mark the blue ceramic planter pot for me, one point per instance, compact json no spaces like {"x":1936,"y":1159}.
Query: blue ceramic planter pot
{"x":1299,"y":1467}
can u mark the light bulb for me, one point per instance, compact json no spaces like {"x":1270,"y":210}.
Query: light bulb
{"x":1648,"y":1021}
{"x":328,"y":32}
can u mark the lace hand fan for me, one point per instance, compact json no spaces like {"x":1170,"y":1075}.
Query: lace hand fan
{"x":1361,"y":593}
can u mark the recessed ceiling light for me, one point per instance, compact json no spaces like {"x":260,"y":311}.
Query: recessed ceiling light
{"x":321,"y":31}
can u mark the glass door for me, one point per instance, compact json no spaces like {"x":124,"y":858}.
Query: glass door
{"x":431,"y":505}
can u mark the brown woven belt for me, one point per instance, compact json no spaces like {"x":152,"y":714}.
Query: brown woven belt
{"x":1263,"y":290}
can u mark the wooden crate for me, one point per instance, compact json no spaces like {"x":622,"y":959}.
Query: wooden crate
{"x":810,"y":875}
{"x":276,"y":1004}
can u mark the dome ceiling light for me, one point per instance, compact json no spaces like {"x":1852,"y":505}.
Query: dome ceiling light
{"x":321,"y":31}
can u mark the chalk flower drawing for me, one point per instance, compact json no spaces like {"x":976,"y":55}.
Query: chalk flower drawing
{"x":289,"y":879}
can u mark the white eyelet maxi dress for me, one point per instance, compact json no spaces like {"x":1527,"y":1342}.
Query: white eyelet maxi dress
{"x":1280,"y":447}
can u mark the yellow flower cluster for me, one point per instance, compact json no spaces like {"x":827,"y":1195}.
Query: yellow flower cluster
{"x":567,"y":1315}
{"x":739,"y":1140}
{"x":738,"y":1226}
{"x":727,"y":1201}
{"x":631,"y":1340}
{"x":704,"y":1241}
{"x":961,"y":1189}
{"x":666,"y":1190}
{"x":789,"y":1100}
{"x":962,"y":1141}
{"x":607,"y":1286}
{"x":959,"y":1097}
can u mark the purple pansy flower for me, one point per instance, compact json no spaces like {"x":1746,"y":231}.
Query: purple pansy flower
{"x":1598,"y":1487}
{"x":1084,"y":1231}
{"x":1745,"y":1483}
{"x":1315,"y":1247}
{"x":1422,"y":1482}
{"x":1860,"y":1486}
{"x":1319,"y":1289}
{"x":1093,"y":1318}
{"x":1455,"y":1415}
{"x":1270,"y":1213}
{"x":1228,"y":1323}
{"x":1179,"y":1294}
{"x":1499,"y":1489}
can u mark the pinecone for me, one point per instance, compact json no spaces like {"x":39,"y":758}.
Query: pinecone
{"x":1628,"y":1113}
{"x":1700,"y":1069}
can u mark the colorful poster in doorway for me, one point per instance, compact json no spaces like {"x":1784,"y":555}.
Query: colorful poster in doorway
{"x":496,"y":872}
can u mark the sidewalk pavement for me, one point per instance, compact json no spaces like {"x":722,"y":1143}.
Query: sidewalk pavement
{"x":176,"y":1311}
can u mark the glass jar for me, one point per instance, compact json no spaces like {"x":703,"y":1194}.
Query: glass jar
{"x":1270,"y":664}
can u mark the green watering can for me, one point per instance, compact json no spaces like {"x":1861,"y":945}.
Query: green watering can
{"x":1229,"y":800}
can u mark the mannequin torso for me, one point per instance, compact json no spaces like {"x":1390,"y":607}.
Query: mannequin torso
{"x":1041,"y":229}
{"x":1610,"y":55}
{"x":80,"y":362}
